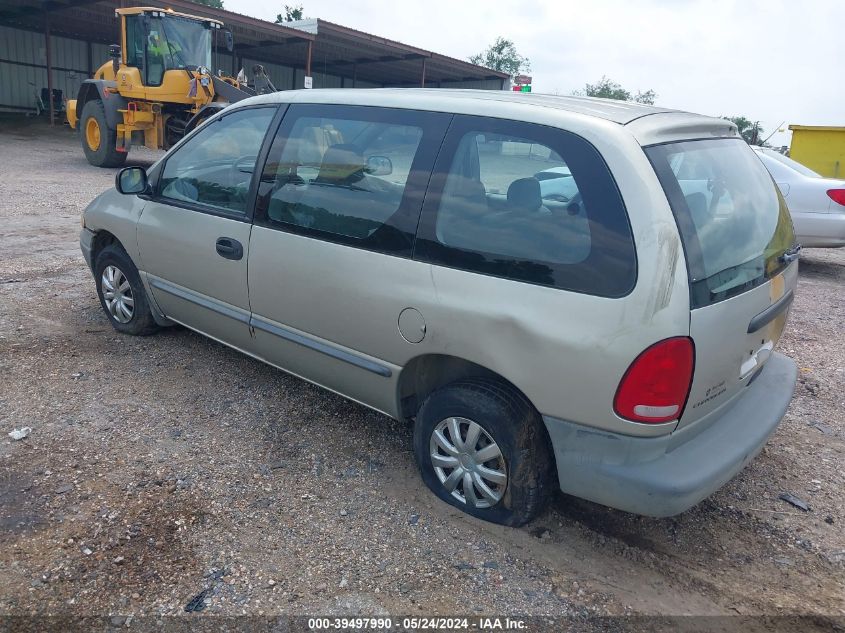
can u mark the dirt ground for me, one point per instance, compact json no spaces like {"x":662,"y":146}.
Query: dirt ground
{"x":162,"y":467}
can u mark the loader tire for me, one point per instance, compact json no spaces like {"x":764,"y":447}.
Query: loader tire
{"x":98,"y":139}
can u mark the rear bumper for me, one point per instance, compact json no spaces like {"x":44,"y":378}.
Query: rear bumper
{"x":664,"y":476}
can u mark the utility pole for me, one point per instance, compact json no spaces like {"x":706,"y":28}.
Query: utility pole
{"x":48,"y":53}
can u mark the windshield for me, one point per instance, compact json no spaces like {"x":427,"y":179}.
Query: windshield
{"x":731,"y":217}
{"x":176,"y":43}
{"x":792,"y":164}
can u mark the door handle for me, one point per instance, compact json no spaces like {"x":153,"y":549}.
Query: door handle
{"x":229,"y":248}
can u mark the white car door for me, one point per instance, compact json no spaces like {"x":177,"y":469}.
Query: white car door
{"x":807,"y":199}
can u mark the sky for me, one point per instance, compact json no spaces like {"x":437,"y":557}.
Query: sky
{"x":769,"y":60}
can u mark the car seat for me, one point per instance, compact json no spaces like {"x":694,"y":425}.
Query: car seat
{"x":343,"y":164}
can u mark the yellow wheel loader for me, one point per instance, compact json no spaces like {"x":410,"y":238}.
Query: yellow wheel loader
{"x":156,"y":88}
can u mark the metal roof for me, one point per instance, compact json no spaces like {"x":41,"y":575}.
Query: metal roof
{"x":818,"y":128}
{"x":94,"y":20}
{"x":342,"y":50}
{"x":336,"y":49}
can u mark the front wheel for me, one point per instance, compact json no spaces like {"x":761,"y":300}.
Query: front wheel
{"x":122,"y":293}
{"x":98,"y":140}
{"x":481,"y":447}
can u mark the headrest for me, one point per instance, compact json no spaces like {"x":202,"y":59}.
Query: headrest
{"x":342,"y":162}
{"x":462,"y":187}
{"x":525,"y":193}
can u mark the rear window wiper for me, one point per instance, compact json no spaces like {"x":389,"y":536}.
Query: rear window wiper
{"x":791,"y":255}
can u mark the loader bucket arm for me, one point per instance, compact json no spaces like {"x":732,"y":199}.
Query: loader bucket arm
{"x":227,"y":92}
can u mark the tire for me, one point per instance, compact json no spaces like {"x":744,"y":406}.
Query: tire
{"x":101,"y":153}
{"x":114,"y":267}
{"x":507,"y":420}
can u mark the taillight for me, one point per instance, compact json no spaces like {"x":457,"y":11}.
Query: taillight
{"x":656,"y":385}
{"x":837,"y":195}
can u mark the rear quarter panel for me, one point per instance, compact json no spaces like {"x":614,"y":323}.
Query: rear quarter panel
{"x":567,"y":351}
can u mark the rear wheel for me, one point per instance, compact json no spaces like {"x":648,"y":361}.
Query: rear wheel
{"x":481,"y":447}
{"x":98,"y":140}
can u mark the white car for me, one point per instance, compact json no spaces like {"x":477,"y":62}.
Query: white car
{"x":817,"y":204}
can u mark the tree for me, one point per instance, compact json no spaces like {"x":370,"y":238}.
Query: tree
{"x":748,"y":129}
{"x":502,"y":56}
{"x":292,"y":13}
{"x":608,"y":89}
{"x":214,"y":4}
{"x":646,"y":97}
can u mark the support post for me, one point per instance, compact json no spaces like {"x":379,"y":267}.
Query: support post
{"x":354,"y":74}
{"x":308,"y":59}
{"x":49,"y":67}
{"x":422,"y":75}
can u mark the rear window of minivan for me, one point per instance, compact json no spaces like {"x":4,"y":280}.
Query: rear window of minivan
{"x":733,"y":221}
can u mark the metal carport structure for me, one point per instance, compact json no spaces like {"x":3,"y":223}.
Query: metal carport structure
{"x":58,"y":43}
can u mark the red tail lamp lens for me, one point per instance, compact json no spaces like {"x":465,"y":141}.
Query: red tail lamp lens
{"x":837,"y":195}
{"x":656,"y":385}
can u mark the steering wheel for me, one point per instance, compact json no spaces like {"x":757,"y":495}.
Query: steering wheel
{"x":576,"y":204}
{"x":177,"y":53}
{"x":244,"y":165}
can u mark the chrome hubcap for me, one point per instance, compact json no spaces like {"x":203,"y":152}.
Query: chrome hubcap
{"x":117,"y":294}
{"x":468,"y":462}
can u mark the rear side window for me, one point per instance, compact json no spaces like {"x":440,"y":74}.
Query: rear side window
{"x":529,"y":203}
{"x":353,"y":175}
{"x":731,"y":217}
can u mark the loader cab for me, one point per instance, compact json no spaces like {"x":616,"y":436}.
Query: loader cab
{"x":158,"y":41}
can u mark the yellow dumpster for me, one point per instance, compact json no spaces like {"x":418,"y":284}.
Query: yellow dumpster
{"x":819,"y":147}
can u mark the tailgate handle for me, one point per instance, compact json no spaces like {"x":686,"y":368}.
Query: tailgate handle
{"x":771,"y":313}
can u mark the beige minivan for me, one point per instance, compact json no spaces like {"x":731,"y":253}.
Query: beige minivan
{"x":557,"y":291}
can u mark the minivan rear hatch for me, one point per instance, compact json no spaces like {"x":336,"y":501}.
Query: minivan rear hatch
{"x":741,"y":257}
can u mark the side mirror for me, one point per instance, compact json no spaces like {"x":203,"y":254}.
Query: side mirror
{"x":230,"y":40}
{"x":114,"y":53}
{"x":379,"y":166}
{"x":131,"y":181}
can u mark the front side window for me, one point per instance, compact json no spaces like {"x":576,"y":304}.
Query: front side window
{"x":350,"y":174}
{"x":214,"y":167}
{"x":731,"y":217}
{"x":529,"y":203}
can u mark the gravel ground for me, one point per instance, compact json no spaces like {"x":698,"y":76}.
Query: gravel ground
{"x":162,"y":467}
